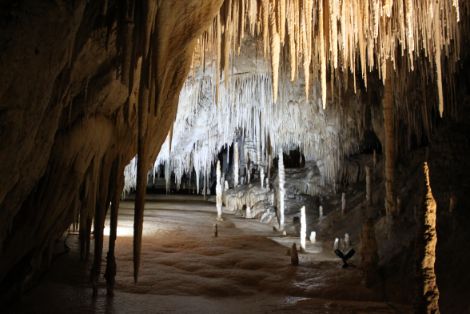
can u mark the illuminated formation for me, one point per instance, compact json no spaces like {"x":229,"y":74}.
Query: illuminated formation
{"x":218,"y":191}
{"x":303,"y":228}
{"x":320,"y":46}
{"x":334,"y":36}
{"x":282,"y":191}
{"x":274,"y":105}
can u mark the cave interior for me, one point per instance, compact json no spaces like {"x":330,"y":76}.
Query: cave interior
{"x":234,"y":156}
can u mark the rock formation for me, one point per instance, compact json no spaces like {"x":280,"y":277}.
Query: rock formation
{"x":428,"y":292}
{"x":88,"y":87}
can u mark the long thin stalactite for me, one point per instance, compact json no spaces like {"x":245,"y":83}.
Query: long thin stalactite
{"x":344,"y":35}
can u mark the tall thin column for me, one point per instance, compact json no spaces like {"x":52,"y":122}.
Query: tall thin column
{"x":428,"y":292}
{"x":282,"y":190}
{"x":218,"y":191}
{"x":236,"y":161}
{"x":303,"y":227}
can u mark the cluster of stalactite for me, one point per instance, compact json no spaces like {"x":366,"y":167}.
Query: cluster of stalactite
{"x":246,"y":113}
{"x":333,"y":37}
{"x":143,"y":66}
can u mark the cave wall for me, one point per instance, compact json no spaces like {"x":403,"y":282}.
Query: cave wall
{"x":68,"y":112}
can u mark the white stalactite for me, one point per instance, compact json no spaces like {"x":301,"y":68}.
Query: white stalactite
{"x":261,"y":177}
{"x":368,"y":36}
{"x":236,"y":161}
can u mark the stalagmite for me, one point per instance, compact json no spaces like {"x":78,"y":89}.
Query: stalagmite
{"x":320,"y":212}
{"x":282,"y":190}
{"x":303,"y":228}
{"x":248,"y":212}
{"x":261,"y":177}
{"x":368,"y":187}
{"x":347,"y":241}
{"x":428,"y":292}
{"x":216,"y":231}
{"x":226,"y":185}
{"x":336,"y":244}
{"x":343,"y":203}
{"x":374,"y":159}
{"x":102,"y":202}
{"x":218,"y":191}
{"x":452,"y":202}
{"x":236,"y":160}
{"x":313,"y":237}
{"x":369,"y":253}
{"x":294,"y":255}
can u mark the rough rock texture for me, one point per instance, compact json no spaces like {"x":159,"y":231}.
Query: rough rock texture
{"x":68,"y":112}
{"x":428,"y":292}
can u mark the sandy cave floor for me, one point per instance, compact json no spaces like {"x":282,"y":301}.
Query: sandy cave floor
{"x":186,"y":270}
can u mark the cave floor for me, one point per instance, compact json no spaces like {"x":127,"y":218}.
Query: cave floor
{"x":185,"y":269}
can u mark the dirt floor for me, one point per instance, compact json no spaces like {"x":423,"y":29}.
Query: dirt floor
{"x":185,"y":269}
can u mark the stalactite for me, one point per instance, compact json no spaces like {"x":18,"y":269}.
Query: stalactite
{"x":437,"y":55}
{"x":388,"y":114}
{"x":371,"y":32}
{"x":370,"y":35}
{"x":275,"y":56}
{"x":322,"y":55}
{"x":101,"y":205}
{"x":294,"y":255}
{"x":110,"y":272}
{"x":236,"y":161}
{"x":428,"y":292}
{"x":282,"y":191}
{"x":84,"y":216}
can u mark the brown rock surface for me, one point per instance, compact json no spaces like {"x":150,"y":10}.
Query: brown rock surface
{"x":65,"y":114}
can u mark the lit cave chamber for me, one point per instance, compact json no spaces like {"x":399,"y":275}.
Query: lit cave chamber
{"x":234,"y":156}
